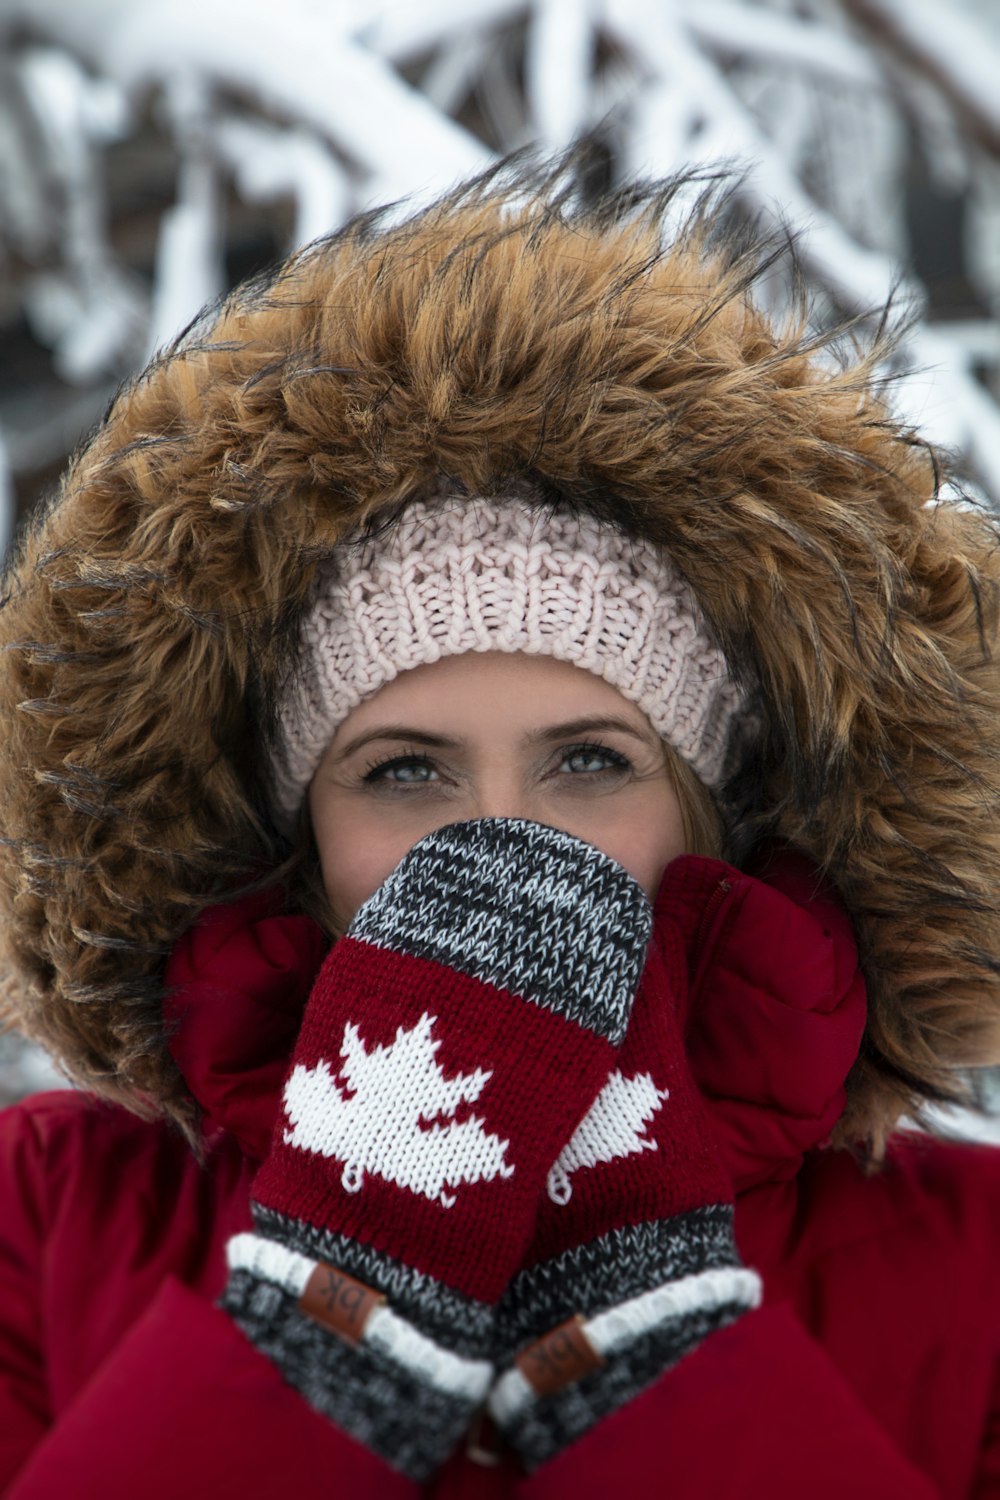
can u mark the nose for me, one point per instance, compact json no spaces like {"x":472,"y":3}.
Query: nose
{"x":501,"y":797}
{"x":501,"y":807}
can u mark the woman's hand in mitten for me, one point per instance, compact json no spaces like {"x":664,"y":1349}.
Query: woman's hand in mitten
{"x":633,"y":1261}
{"x":452,"y":1041}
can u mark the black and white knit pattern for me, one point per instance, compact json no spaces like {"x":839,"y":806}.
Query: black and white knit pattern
{"x":409,"y":1421}
{"x":539,"y":1427}
{"x":523,"y":907}
{"x":461,"y":1324}
{"x":613,"y":1268}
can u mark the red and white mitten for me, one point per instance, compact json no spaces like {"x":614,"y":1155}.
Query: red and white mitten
{"x":453,"y":1039}
{"x":633,"y":1262}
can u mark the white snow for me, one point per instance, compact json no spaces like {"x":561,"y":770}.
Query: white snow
{"x":559,"y":60}
{"x":784,"y":40}
{"x":955,"y":44}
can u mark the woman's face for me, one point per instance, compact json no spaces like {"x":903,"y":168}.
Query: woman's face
{"x":490,"y":735}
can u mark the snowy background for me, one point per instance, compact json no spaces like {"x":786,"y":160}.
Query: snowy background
{"x":152,"y":152}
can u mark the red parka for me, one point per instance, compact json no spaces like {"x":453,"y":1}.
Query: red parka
{"x":872,"y":1369}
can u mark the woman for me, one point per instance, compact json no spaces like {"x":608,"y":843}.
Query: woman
{"x":465,"y":713}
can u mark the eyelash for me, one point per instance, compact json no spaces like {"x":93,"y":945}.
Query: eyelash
{"x":373,"y":771}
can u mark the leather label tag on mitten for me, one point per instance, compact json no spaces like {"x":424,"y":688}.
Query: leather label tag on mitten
{"x":565,"y":1354}
{"x":340,"y":1303}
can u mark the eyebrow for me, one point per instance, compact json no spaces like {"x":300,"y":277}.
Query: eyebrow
{"x":536,"y":737}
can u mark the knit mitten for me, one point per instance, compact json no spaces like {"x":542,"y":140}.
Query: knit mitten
{"x":453,"y":1039}
{"x":633,"y":1262}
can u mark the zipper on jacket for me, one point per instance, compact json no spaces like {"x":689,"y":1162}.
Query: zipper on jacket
{"x":712,"y":905}
{"x":703,"y":955}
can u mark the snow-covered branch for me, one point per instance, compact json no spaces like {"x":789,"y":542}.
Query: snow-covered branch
{"x":714,"y":126}
{"x":323,"y":107}
{"x":953,"y":51}
{"x":783,"y":41}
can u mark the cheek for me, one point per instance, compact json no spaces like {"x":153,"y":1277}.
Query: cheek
{"x":646,"y":840}
{"x":355,"y":858}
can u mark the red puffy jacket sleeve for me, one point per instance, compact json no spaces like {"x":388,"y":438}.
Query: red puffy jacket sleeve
{"x":757,"y":1411}
{"x":184,"y":1404}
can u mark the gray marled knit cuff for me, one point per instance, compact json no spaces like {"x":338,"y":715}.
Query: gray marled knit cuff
{"x":620,"y":1311}
{"x":394,"y":1390}
{"x":542,"y":1427}
{"x":613,"y":1268}
{"x":456,"y":1322}
{"x":524,"y":907}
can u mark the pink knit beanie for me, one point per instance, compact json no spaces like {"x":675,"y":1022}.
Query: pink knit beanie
{"x":460,"y":575}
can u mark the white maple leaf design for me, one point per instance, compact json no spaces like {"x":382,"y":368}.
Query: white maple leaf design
{"x":612,"y":1127}
{"x":392,"y":1119}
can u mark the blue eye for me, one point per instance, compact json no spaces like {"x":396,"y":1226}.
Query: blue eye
{"x":376,"y":770}
{"x":616,"y":762}
{"x":382,"y":772}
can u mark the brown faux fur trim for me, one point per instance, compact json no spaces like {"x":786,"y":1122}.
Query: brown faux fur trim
{"x":507,"y":332}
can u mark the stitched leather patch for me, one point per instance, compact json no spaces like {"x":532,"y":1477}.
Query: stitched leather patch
{"x":564,"y":1354}
{"x":339,"y":1302}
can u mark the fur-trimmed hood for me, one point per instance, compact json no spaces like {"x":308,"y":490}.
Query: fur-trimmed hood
{"x":507,"y":333}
